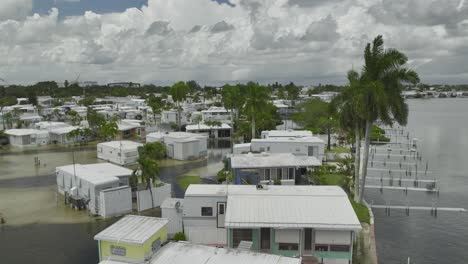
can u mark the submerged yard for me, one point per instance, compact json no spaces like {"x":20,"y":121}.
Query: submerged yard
{"x":184,"y":181}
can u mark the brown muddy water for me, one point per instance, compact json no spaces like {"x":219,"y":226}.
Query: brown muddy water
{"x":40,"y":228}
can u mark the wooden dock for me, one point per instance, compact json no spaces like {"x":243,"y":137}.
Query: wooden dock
{"x":421,"y":208}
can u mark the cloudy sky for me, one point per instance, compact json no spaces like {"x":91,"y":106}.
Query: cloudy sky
{"x":213,"y":42}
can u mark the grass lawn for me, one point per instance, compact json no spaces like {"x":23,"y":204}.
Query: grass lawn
{"x":186,"y":180}
{"x":330,"y":179}
{"x":338,"y":149}
{"x":361,"y":211}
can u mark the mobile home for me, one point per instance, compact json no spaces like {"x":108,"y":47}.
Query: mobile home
{"x":122,"y":152}
{"x":292,"y":221}
{"x":85,"y":183}
{"x":181,"y":145}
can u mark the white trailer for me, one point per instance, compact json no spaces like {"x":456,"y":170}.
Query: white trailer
{"x":87,"y":181}
{"x":181,"y":145}
{"x":27,"y":137}
{"x":122,"y":152}
{"x":308,"y":146}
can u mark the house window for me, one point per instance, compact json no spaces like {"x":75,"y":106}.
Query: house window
{"x":239,"y":235}
{"x":266,"y":176}
{"x":288,"y":246}
{"x":268,"y":148}
{"x":207,"y":211}
{"x":339,"y":248}
{"x":279,"y":174}
{"x":322,"y":248}
{"x":290,"y":173}
{"x":262,"y":149}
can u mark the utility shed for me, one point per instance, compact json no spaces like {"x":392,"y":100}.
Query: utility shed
{"x":121,"y":152}
{"x":132,"y":239}
{"x":85,"y":182}
{"x":172,"y":210}
{"x":183,"y":253}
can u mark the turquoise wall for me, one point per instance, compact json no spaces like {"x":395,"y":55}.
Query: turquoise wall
{"x":334,"y":255}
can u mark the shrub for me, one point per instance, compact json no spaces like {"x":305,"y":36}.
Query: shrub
{"x":180,"y":236}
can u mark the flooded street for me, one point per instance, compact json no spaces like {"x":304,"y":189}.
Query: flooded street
{"x":40,"y":227}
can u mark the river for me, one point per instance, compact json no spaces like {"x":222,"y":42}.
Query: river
{"x":442,"y":127}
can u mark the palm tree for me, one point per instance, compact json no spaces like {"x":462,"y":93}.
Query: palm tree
{"x":380,"y":96}
{"x":349,"y":121}
{"x":109,"y":130}
{"x":156,"y":104}
{"x":232,"y":100}
{"x":179,"y":93}
{"x":256,"y":101}
{"x":148,"y":156}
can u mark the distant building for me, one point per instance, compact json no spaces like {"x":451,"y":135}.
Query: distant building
{"x":122,"y":152}
{"x":124,"y":84}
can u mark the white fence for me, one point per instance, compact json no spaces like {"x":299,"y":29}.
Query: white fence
{"x":159,"y":195}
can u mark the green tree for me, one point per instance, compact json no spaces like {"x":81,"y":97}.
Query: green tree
{"x":94,"y":120}
{"x":148,"y":156}
{"x":293,"y":92}
{"x":87,"y":101}
{"x":179,"y":93}
{"x":382,"y":81}
{"x":256,"y":100}
{"x":108,"y":130}
{"x":212,"y":125}
{"x":350,"y":122}
{"x":75,"y":118}
{"x":4,"y":102}
{"x":156,"y":104}
{"x":32,"y":97}
{"x":232,"y":100}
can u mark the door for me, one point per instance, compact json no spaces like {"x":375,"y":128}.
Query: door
{"x":265,"y":239}
{"x":170,"y":150}
{"x":308,"y":241}
{"x":220,"y":215}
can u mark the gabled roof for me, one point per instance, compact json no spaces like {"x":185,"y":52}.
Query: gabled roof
{"x":132,"y":229}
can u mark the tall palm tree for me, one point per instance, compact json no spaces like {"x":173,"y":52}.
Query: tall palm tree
{"x":350,"y":121}
{"x":233,"y":101}
{"x":382,"y":81}
{"x":256,"y":101}
{"x":179,"y":93}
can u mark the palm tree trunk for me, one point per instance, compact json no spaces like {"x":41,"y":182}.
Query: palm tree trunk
{"x":365,"y":160}
{"x":357,"y":162}
{"x":329,"y":138}
{"x":232,"y":130}
{"x":253,"y":126}
{"x":178,"y":116}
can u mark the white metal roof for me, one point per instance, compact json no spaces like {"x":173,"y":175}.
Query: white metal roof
{"x":63,"y":130}
{"x":122,"y":144}
{"x":172,"y":202}
{"x":183,"y":253}
{"x":23,"y":132}
{"x":291,"y":211}
{"x":290,"y":139}
{"x":287,"y":133}
{"x":270,"y":160}
{"x":205,"y":127}
{"x":98,"y":173}
{"x":132,"y":229}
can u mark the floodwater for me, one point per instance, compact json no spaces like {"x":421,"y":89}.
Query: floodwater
{"x":442,"y":127}
{"x":40,"y":228}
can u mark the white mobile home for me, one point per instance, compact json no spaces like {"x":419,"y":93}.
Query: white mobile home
{"x":27,"y":137}
{"x":85,"y":182}
{"x":216,"y":114}
{"x":223,"y":131}
{"x":181,"y":145}
{"x":307,"y":146}
{"x":60,"y":135}
{"x":285,"y":133}
{"x":270,"y":168}
{"x":292,"y":221}
{"x":122,"y":152}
